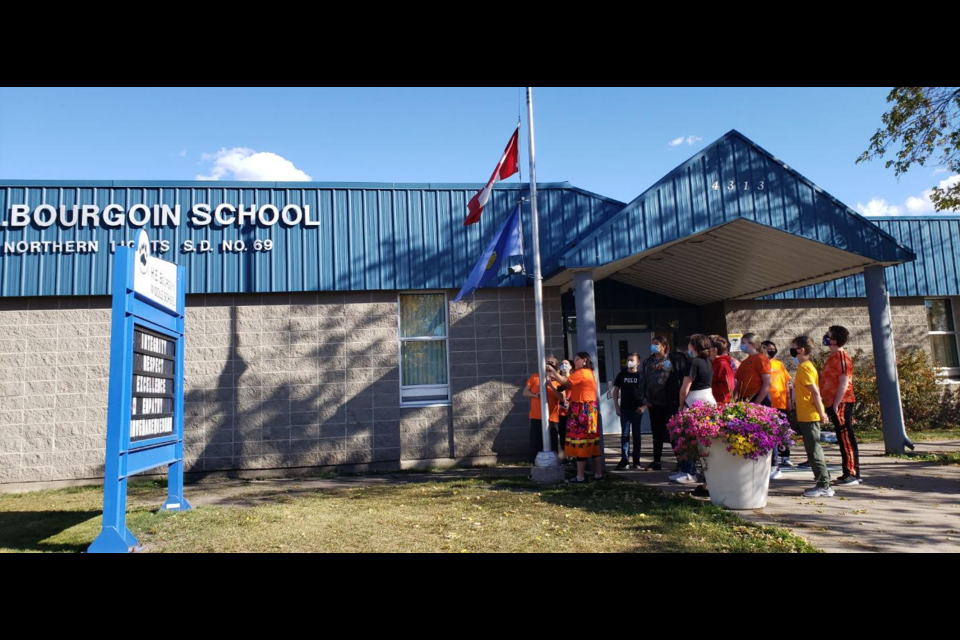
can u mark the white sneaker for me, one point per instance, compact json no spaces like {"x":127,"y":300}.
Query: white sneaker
{"x":676,"y":476}
{"x":776,"y":474}
{"x":686,"y":478}
{"x":818,"y":492}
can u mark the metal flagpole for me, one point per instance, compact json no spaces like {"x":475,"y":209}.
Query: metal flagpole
{"x":547,"y":457}
{"x":523,"y":251}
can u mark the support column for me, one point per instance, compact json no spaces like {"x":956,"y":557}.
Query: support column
{"x":586,"y":314}
{"x":587,"y":330}
{"x":888,"y":382}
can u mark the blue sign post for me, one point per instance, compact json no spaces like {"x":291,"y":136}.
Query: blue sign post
{"x":145,"y":412}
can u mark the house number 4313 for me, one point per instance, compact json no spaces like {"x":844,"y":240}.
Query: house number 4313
{"x":732,"y":186}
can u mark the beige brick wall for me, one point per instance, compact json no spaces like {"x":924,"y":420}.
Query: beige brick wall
{"x":54,"y":369}
{"x":493,"y":353}
{"x":272,"y":381}
{"x":783,"y":320}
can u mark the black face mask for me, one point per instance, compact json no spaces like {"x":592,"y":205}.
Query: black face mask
{"x":771,"y":354}
{"x":794,"y":353}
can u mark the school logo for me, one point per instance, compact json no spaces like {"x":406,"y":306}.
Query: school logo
{"x":143,"y":252}
{"x":493,"y":259}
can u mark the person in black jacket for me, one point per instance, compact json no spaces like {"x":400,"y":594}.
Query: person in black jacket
{"x":660,"y":392}
{"x":680,"y":367}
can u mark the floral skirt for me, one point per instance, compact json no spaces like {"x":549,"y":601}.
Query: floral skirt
{"x":583,"y":434}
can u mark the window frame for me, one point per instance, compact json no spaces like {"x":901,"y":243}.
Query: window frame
{"x":952,"y":373}
{"x":410,"y":393}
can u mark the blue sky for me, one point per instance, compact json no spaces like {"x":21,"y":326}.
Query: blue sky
{"x":615,"y":142}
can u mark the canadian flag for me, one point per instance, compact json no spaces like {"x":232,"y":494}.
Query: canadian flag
{"x":508,"y":165}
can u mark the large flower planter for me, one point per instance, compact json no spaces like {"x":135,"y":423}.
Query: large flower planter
{"x":736,"y":483}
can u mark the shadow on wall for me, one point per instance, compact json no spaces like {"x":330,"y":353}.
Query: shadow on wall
{"x":284,"y":381}
{"x":312,"y":380}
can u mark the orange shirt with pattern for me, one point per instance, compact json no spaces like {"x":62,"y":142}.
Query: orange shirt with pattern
{"x":838,"y":364}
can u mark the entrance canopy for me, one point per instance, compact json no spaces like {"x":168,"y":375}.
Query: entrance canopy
{"x":735,"y":222}
{"x":731,"y":222}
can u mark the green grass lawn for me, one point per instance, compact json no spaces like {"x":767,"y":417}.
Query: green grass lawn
{"x":455,"y":516}
{"x":939,"y":457}
{"x":916,"y":436}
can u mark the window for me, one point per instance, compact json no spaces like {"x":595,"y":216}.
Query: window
{"x":943,"y":334}
{"x":424,"y":372}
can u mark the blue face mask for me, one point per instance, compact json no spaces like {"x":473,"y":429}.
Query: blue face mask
{"x":826,"y":340}
{"x":743,"y":347}
{"x":691,"y":353}
{"x":654,"y":349}
{"x":796,"y":361}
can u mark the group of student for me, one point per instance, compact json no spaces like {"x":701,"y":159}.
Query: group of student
{"x":574,"y":413}
{"x":669,"y":380}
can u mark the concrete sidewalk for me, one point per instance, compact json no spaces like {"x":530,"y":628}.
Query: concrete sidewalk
{"x":903,"y":505}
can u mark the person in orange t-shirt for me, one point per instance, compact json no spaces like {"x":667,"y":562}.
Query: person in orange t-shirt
{"x":753,"y":374}
{"x":532,"y":391}
{"x":780,"y":400}
{"x":583,"y":424}
{"x":836,"y":389}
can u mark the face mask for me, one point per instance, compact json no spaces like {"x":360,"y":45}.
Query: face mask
{"x":794,"y":352}
{"x":654,"y":349}
{"x":826,"y":340}
{"x":771,"y":354}
{"x":691,"y":353}
{"x":564,"y":367}
{"x":796,"y":360}
{"x":743,"y":347}
{"x":632,"y":364}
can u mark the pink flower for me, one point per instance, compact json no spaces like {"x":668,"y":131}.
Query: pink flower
{"x":696,"y":428}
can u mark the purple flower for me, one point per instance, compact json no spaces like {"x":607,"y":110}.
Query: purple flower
{"x":696,"y":428}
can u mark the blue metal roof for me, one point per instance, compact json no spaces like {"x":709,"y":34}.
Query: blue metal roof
{"x":936,"y":271}
{"x":372,"y":236}
{"x":731,"y":179}
{"x":385,"y":236}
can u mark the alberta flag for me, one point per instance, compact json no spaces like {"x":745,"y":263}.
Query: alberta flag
{"x":506,"y":243}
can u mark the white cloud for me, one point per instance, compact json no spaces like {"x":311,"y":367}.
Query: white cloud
{"x":241,"y":163}
{"x":920,"y":205}
{"x":183,"y":154}
{"x":676,"y":142}
{"x":949,"y":182}
{"x":878,"y":207}
{"x":941,"y":170}
{"x":915,"y":205}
